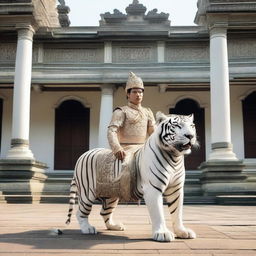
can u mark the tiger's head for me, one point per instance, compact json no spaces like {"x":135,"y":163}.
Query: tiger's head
{"x":177,"y":133}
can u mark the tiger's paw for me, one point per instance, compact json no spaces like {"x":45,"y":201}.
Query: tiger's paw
{"x":115,"y":227}
{"x":163,"y":236}
{"x":88,"y":230}
{"x":85,"y":227}
{"x":185,"y":233}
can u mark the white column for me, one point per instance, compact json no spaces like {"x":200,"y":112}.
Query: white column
{"x":106,"y":110}
{"x":220,"y":97}
{"x":21,"y":96}
{"x":107,"y":52}
{"x":160,"y":52}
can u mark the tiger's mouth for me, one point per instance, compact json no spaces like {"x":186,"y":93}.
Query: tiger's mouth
{"x":185,"y":146}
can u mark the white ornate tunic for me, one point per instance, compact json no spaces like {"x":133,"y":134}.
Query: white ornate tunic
{"x":130,"y":125}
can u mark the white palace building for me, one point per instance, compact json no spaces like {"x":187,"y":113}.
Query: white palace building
{"x":59,"y":85}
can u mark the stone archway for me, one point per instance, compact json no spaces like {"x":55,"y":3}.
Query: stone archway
{"x":186,"y":107}
{"x":249,"y":122}
{"x":72,"y":123}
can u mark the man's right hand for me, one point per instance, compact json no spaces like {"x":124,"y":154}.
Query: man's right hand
{"x":120,"y":155}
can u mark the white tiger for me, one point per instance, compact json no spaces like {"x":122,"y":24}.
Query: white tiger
{"x":161,"y":174}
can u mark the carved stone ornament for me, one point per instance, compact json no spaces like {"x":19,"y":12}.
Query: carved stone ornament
{"x":242,"y":48}
{"x":7,"y":52}
{"x":63,"y":11}
{"x":89,"y":55}
{"x":136,"y":8}
{"x":62,"y":2}
{"x":116,"y":17}
{"x":132,"y":54}
{"x":187,"y":53}
{"x":154,"y":17}
{"x":135,"y":13}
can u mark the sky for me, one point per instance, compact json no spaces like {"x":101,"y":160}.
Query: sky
{"x":87,"y":12}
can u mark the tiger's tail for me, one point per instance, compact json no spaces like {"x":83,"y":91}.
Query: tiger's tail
{"x":72,"y":200}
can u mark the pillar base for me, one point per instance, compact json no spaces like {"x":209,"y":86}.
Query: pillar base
{"x":223,"y":178}
{"x":222,"y":151}
{"x":20,"y":150}
{"x":21,"y":180}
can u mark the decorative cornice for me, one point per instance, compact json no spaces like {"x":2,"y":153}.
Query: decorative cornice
{"x":232,"y":10}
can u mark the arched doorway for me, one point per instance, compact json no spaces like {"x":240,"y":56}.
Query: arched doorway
{"x":72,"y":122}
{"x":249,"y":121}
{"x":186,"y":107}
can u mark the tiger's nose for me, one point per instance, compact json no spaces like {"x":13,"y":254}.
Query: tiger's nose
{"x":189,"y":136}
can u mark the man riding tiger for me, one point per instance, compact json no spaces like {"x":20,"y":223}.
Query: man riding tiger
{"x":138,"y":166}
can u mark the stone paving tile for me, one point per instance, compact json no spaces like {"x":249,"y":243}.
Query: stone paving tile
{"x":155,"y":245}
{"x":193,"y":252}
{"x":137,"y":253}
{"x":240,"y":253}
{"x":221,"y":244}
{"x":221,"y":230}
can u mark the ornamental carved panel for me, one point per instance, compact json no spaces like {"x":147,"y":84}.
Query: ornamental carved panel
{"x":188,"y":53}
{"x":82,"y":55}
{"x":7,"y":52}
{"x":241,"y":48}
{"x":131,"y":54}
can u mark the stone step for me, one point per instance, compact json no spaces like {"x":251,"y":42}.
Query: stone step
{"x":57,"y":198}
{"x":199,"y":199}
{"x":26,"y":199}
{"x":236,"y":200}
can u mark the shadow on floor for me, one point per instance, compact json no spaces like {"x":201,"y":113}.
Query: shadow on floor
{"x":70,"y":239}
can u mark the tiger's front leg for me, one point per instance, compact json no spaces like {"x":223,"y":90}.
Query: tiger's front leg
{"x":154,"y":202}
{"x":174,"y":197}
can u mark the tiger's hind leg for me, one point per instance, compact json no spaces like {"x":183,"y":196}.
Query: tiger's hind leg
{"x":108,"y":207}
{"x":82,"y":217}
{"x":84,"y":175}
{"x":85,"y":202}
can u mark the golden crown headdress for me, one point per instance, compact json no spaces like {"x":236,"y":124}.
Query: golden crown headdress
{"x":133,"y":82}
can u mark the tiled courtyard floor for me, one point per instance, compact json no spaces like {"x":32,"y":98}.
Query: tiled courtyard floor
{"x":221,"y":230}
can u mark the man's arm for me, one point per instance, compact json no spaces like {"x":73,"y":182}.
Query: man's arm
{"x":117,"y":121}
{"x":151,"y":122}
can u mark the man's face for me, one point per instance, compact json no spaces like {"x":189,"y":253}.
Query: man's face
{"x":135,"y":96}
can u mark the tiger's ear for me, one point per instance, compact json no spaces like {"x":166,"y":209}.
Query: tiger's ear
{"x":191,"y":117}
{"x":160,"y":117}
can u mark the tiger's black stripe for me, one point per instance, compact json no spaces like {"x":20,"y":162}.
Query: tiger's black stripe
{"x":158,"y":177}
{"x":175,"y":200}
{"x":172,"y":192}
{"x":157,"y":158}
{"x":160,"y":171}
{"x":156,"y":187}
